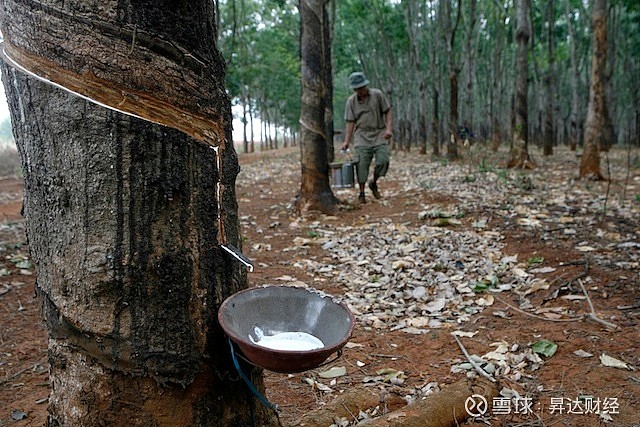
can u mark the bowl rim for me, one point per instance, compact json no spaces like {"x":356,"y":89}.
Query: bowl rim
{"x":242,"y":341}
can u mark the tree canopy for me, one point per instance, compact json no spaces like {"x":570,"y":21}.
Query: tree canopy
{"x":404,"y":48}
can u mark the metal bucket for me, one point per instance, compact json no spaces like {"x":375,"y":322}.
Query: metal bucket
{"x":278,"y":309}
{"x":342,"y":174}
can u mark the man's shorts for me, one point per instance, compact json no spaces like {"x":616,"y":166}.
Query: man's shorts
{"x":382,"y":157}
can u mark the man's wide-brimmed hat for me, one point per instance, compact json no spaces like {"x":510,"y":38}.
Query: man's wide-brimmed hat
{"x":358,"y":80}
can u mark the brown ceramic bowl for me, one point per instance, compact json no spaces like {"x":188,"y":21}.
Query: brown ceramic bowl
{"x":276,"y":309}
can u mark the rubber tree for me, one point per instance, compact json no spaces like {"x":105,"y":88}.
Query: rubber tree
{"x":122,"y":122}
{"x":453,"y":70}
{"x":549,"y":139}
{"x":594,"y":137}
{"x":519,"y":156}
{"x":315,"y":192}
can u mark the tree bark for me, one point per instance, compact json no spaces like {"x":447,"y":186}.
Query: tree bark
{"x":594,"y":136}
{"x":549,"y":128}
{"x":435,"y":124}
{"x":496,"y":95}
{"x":122,"y":214}
{"x":520,"y":152}
{"x":573,"y":76}
{"x":315,"y":192}
{"x":454,"y":71}
{"x":327,"y":34}
{"x":470,"y":58}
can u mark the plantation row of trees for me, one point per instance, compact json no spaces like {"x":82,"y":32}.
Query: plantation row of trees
{"x":444,"y":65}
{"x":127,"y":209}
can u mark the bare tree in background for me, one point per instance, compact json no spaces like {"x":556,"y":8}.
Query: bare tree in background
{"x":125,"y":213}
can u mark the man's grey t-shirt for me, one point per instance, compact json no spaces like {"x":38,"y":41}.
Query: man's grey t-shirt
{"x":368,"y":116}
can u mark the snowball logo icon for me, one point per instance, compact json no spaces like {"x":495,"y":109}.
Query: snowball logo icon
{"x":476,"y":405}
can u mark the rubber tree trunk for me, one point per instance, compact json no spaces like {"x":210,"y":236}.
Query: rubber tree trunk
{"x":594,"y":126}
{"x":549,"y":139}
{"x":328,"y":31}
{"x":573,"y":77}
{"x":315,"y":192}
{"x":122,"y":214}
{"x":496,"y":96}
{"x":454,"y":71}
{"x":519,"y":157}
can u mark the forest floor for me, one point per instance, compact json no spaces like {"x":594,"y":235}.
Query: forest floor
{"x":537,"y":273}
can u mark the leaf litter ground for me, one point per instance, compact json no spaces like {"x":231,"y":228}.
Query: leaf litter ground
{"x":533,"y":273}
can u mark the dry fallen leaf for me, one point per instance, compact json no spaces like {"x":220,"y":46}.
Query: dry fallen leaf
{"x":334,"y":372}
{"x":353,"y":345}
{"x":613,"y":362}
{"x":537,"y":286}
{"x":582,"y":353}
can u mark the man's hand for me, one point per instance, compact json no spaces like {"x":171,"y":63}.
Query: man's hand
{"x":345,"y":146}
{"x":388,"y":134}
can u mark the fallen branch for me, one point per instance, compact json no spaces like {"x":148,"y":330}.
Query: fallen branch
{"x":571,"y":319}
{"x":350,"y":413}
{"x":389,"y":356}
{"x":477,"y":367}
{"x":592,"y":315}
{"x":12,"y":377}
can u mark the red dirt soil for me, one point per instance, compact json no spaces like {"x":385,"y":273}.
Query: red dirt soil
{"x":426,"y":358}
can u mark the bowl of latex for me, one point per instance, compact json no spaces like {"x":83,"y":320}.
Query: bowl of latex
{"x":285,"y":328}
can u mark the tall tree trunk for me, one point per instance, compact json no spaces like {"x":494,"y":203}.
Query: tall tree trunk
{"x":611,"y":99}
{"x":315,"y":192}
{"x":435,"y":123}
{"x":496,"y":95}
{"x":454,"y":71}
{"x":452,"y":143}
{"x":520,"y":152}
{"x":549,"y":129}
{"x":252,"y":143}
{"x":470,"y":54}
{"x":595,"y":125}
{"x":245,"y":139}
{"x":327,"y":40}
{"x":416,"y":116}
{"x":573,"y":76}
{"x":120,"y":211}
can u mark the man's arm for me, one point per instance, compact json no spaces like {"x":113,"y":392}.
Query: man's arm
{"x":348,"y":134}
{"x":388,"y":121}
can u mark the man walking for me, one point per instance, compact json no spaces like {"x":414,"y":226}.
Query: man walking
{"x":369,"y":125}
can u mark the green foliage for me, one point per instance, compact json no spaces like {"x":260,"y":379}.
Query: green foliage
{"x":535,"y":260}
{"x":486,"y":284}
{"x":503,"y":175}
{"x":387,"y":38}
{"x":259,"y":40}
{"x":483,"y":167}
{"x":545,"y":347}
